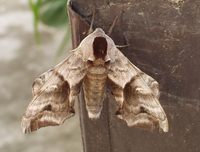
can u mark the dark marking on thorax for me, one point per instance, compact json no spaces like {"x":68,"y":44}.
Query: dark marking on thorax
{"x":100,"y":47}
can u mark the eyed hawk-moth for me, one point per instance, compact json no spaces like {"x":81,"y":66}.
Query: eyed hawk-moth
{"x":93,"y":65}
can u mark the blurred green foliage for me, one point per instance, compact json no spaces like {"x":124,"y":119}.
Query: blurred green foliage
{"x":51,"y":13}
{"x":54,"y":13}
{"x":35,"y":7}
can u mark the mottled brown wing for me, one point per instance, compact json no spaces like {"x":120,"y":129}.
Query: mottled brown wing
{"x":54,"y":93}
{"x":137,"y":95}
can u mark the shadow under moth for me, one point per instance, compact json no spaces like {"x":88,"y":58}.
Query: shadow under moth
{"x":93,"y":65}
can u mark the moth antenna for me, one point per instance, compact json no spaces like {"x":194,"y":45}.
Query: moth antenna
{"x":92,"y":22}
{"x":113,"y":25}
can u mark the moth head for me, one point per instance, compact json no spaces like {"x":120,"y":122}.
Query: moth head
{"x":97,"y":47}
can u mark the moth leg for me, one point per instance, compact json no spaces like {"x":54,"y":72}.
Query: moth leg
{"x":92,"y":22}
{"x":122,"y":46}
{"x":125,"y":45}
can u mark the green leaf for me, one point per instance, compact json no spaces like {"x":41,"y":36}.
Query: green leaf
{"x":35,"y":7}
{"x":54,"y":13}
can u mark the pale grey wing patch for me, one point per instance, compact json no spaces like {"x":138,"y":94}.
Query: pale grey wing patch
{"x":54,"y":95}
{"x":137,"y":95}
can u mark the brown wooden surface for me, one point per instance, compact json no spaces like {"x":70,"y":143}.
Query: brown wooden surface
{"x":163,"y":38}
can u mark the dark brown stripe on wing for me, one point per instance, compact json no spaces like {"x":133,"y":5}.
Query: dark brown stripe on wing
{"x":60,"y":76}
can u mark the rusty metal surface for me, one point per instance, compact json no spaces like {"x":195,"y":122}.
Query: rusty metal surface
{"x":163,"y":38}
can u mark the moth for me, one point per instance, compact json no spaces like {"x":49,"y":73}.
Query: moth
{"x":94,"y":65}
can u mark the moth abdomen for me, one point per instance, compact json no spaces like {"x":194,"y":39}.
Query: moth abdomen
{"x":94,"y":90}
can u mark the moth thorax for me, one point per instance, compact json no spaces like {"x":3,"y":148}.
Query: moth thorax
{"x":99,"y":62}
{"x":100,"y":47}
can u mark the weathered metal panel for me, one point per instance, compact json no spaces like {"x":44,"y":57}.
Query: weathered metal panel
{"x":95,"y":134}
{"x":163,"y":38}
